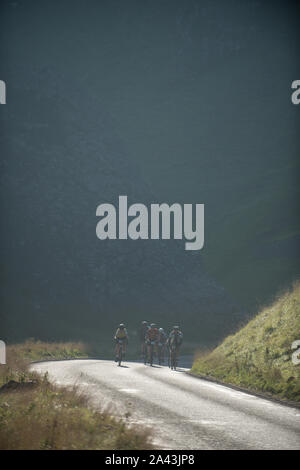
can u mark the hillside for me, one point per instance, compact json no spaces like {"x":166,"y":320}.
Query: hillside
{"x":162,"y":107}
{"x":59,"y":281}
{"x":259,"y":356}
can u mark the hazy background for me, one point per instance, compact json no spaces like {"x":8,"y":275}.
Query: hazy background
{"x":165,"y":101}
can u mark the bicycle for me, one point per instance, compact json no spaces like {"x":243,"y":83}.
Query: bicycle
{"x":150,"y":349}
{"x":173,"y":357}
{"x":120,"y":347}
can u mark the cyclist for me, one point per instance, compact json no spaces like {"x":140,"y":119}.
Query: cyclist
{"x":143,"y":330}
{"x":151,"y":338}
{"x":121,"y":340}
{"x":162,"y":340}
{"x":174,"y":342}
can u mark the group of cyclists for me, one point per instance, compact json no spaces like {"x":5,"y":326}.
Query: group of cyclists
{"x":153,"y":342}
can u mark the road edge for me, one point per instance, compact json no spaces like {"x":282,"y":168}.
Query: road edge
{"x":289,"y":403}
{"x":266,"y":396}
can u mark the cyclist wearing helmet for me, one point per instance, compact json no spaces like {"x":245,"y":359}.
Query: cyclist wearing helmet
{"x":121,"y":339}
{"x":152,"y":336}
{"x":176,"y":335}
{"x":162,"y":337}
{"x":152,"y":333}
{"x":175,"y":340}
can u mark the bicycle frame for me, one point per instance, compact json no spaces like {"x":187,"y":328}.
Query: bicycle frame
{"x":120,"y":349}
{"x":150,"y":351}
{"x":173,"y":353}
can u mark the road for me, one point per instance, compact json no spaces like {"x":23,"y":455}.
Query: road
{"x":185,"y":412}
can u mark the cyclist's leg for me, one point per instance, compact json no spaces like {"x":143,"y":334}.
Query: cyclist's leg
{"x":120,"y":352}
{"x":117,"y":350}
{"x":176,"y":356}
{"x":151,"y":353}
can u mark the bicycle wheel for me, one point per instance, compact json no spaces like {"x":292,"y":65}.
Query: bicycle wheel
{"x":120,"y":356}
{"x":151,"y":355}
{"x":173,"y":361}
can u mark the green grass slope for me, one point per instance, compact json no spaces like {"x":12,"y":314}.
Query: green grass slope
{"x":259,"y":356}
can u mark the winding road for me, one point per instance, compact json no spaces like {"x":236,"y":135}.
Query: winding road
{"x":184,"y":412}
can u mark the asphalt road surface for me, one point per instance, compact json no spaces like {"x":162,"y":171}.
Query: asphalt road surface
{"x":184,"y":412}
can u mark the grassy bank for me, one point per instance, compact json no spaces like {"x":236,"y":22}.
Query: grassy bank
{"x":35,"y":414}
{"x":259,"y":356}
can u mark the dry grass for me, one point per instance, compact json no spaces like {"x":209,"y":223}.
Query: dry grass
{"x":20,"y":355}
{"x":45,"y":416}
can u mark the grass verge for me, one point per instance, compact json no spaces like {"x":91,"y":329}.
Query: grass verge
{"x":259,"y":356}
{"x":35,"y":414}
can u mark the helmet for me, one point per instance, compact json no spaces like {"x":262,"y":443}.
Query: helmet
{"x":144,"y":322}
{"x":122,"y":326}
{"x":153,"y":325}
{"x":175,"y":327}
{"x":161,"y":330}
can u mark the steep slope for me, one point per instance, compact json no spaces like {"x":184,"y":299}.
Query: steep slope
{"x":259,"y":356}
